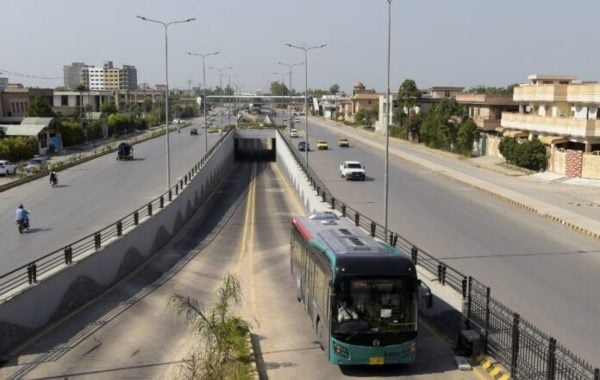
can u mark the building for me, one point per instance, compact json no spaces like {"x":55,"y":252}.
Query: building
{"x":128,"y":78}
{"x":107,"y":77}
{"x":564,"y":114}
{"x":73,"y":102}
{"x":3,"y":83}
{"x":14,"y":102}
{"x":486,"y":111}
{"x":74,"y":75}
{"x":362,"y":98}
{"x":43,"y":129}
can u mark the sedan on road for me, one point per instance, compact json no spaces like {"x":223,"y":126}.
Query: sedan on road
{"x":322,"y":145}
{"x":343,"y":143}
{"x":7,"y":167}
{"x":303,"y":146}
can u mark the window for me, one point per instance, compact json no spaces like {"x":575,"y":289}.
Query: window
{"x":64,"y":100}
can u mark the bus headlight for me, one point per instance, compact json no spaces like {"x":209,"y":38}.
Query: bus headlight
{"x":341,"y":351}
{"x":411,"y":348}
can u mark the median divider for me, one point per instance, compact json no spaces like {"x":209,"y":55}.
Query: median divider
{"x":46,"y":289}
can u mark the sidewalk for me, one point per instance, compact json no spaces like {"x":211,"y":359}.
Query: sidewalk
{"x":574,"y":202}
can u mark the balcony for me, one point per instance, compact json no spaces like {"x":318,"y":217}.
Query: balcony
{"x":540,"y":93}
{"x":562,"y":126}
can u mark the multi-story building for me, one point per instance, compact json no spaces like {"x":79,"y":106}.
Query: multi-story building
{"x":3,"y":83}
{"x":15,"y":102}
{"x":565,"y":115}
{"x":128,"y":78}
{"x":75,"y":74}
{"x":74,"y":102}
{"x":102,"y":78}
{"x":486,"y":110}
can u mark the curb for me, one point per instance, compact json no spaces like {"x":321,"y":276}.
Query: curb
{"x":494,"y":369}
{"x":254,"y":372}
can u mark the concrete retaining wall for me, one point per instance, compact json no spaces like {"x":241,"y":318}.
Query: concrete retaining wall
{"x":71,"y":287}
{"x":287,"y":162}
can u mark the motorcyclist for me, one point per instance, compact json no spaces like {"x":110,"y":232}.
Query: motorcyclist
{"x":22,"y":218}
{"x":53,"y":178}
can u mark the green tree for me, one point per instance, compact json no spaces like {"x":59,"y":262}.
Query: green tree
{"x":109,"y":108}
{"x":38,"y":108}
{"x":334,"y":89}
{"x":18,"y":148}
{"x":440,"y":126}
{"x":408,"y":97}
{"x":366,"y":117}
{"x":118,"y":123}
{"x":465,"y":136}
{"x":279,"y":88}
{"x":71,"y":131}
{"x":222,"y":353}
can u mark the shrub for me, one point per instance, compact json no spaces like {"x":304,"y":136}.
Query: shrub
{"x":72,"y":133}
{"x":529,"y":154}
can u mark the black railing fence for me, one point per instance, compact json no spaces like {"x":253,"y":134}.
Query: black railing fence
{"x":30,"y":273}
{"x":514,"y":342}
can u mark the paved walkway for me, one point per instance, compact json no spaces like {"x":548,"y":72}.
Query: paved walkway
{"x":574,"y":202}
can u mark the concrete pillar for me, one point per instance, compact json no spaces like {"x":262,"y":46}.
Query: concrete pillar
{"x":588,"y":146}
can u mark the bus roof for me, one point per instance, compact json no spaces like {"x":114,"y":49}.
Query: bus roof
{"x":349,"y":248}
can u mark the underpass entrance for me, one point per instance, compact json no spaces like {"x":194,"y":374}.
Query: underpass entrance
{"x":255,"y":145}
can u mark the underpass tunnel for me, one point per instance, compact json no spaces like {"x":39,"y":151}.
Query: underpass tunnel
{"x":255,"y":149}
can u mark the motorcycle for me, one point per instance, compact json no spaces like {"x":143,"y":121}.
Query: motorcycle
{"x":53,"y":181}
{"x":23,"y":225}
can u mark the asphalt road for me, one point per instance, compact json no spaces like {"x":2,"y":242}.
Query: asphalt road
{"x":92,"y":195}
{"x":540,"y":269}
{"x":132,"y":333}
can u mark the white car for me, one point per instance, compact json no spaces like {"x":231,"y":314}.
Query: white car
{"x":293,"y":133}
{"x":7,"y":167}
{"x":34,"y":165}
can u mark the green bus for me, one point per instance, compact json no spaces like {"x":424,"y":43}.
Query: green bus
{"x":361,"y":294}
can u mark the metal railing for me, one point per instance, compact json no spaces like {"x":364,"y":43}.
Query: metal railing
{"x":514,"y":342}
{"x":30,"y":273}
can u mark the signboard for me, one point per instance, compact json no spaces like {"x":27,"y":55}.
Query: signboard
{"x":316,"y":104}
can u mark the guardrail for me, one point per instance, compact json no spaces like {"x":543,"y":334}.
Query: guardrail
{"x":514,"y":342}
{"x":29,"y":274}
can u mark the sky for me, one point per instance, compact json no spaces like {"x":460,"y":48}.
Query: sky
{"x":434,"y":42}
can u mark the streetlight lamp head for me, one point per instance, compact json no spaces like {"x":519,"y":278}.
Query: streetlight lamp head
{"x":142,"y":18}
{"x":190,"y":19}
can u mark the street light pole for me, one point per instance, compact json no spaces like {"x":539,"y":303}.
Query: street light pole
{"x":290,"y":65}
{"x":166,"y":26}
{"x":281,"y":101}
{"x":204,"y":93}
{"x":229,"y":86}
{"x":220,"y":70}
{"x":306,"y":49}
{"x":387,"y":126}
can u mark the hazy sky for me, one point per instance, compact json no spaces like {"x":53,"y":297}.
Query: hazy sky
{"x":434,"y":42}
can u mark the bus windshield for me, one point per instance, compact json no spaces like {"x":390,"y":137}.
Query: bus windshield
{"x":384,"y":305}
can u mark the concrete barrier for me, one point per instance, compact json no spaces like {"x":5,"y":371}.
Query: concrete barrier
{"x":70,"y":287}
{"x":287,"y":161}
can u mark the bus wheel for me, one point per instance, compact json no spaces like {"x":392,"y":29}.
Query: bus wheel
{"x":320,"y":335}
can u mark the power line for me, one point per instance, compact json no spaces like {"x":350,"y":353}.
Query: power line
{"x":3,"y":71}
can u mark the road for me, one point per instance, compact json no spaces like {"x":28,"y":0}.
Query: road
{"x":132,"y":333}
{"x":92,"y":195}
{"x":540,"y":269}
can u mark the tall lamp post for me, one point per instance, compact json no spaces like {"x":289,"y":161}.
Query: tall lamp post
{"x":229,"y":75}
{"x":387,"y":126}
{"x":220,"y":70}
{"x":281,"y":75}
{"x":306,"y":49}
{"x":204,"y":92}
{"x":166,"y":26}
{"x":290,"y":65}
